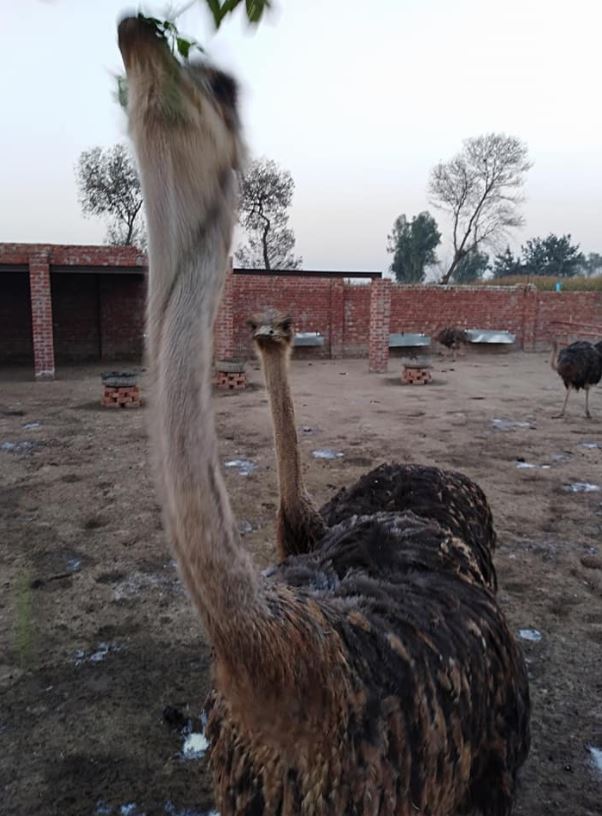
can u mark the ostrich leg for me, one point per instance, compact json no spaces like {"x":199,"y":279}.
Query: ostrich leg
{"x":566,"y":399}
{"x":587,"y":413}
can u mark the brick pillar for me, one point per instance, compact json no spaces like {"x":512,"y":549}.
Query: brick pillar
{"x":223,"y":332}
{"x":380,"y":315}
{"x":337,"y":318}
{"x":530,"y":309}
{"x":41,"y":315}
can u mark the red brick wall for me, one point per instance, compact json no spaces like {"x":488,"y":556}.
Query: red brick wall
{"x":41,"y":314}
{"x":357,"y":319}
{"x":577,"y":307}
{"x":308,"y":300}
{"x":429,"y":308}
{"x":75,"y":317}
{"x":97,"y":316}
{"x":95,"y":313}
{"x":16,"y":344}
{"x":122,"y":316}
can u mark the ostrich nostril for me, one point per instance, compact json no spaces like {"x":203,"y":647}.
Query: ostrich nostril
{"x":271,"y":331}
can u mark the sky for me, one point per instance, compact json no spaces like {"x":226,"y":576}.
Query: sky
{"x":358,"y":99}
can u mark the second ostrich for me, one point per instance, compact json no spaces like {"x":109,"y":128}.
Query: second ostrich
{"x":580,"y":366}
{"x":452,"y":338}
{"x":351,"y":682}
{"x":448,"y":497}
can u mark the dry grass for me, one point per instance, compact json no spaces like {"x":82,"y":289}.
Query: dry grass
{"x":548,"y":282}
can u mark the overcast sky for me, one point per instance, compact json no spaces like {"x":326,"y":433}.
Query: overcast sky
{"x":357,"y":98}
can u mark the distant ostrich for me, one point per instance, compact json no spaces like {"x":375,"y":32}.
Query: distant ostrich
{"x":580,"y":366}
{"x":451,"y":498}
{"x":452,"y":338}
{"x":381,"y":679}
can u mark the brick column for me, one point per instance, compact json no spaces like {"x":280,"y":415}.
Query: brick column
{"x":337,"y":318}
{"x":380,"y":315}
{"x":41,"y":316}
{"x":223,"y":331}
{"x":530,"y":308}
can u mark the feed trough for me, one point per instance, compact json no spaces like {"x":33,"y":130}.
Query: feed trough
{"x":308,"y":339}
{"x":491,"y":340}
{"x":119,"y":379}
{"x":491,"y":336}
{"x":409,"y":340}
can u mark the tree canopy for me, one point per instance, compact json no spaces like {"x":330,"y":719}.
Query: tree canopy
{"x":554,"y":255}
{"x":266,"y":195}
{"x":479,"y":189}
{"x":412,"y":244}
{"x":109,"y":187}
{"x":472,"y":267}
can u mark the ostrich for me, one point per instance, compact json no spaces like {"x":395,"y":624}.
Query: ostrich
{"x":451,"y":498}
{"x":452,"y":338}
{"x":380,"y":679}
{"x":580,"y":366}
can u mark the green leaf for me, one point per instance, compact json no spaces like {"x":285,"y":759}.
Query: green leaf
{"x":255,"y":9}
{"x":183,"y":47}
{"x":215,"y":8}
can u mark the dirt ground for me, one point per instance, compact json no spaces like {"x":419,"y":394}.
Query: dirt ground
{"x":97,"y":637}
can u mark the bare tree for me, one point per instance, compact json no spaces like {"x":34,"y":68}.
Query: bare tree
{"x":479,"y":188}
{"x":109,"y":186}
{"x":266,"y":195}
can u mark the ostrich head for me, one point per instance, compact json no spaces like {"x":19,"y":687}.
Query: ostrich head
{"x":184,"y":124}
{"x":272,"y":331}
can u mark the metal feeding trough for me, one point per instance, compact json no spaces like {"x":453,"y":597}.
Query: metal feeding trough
{"x":491,"y":336}
{"x":409,"y":340}
{"x":308,"y":339}
{"x":230,"y":366}
{"x":119,"y":379}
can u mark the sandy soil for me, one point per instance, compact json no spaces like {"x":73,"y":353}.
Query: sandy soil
{"x":97,"y":637}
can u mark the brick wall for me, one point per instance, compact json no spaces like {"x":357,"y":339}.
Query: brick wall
{"x":429,"y":308}
{"x":16,"y":344}
{"x":97,"y":309}
{"x":308,"y":300}
{"x":97,"y":316}
{"x":122,"y":316}
{"x":577,"y":307}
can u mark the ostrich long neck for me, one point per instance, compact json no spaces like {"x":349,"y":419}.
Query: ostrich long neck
{"x":290,"y":478}
{"x":554,"y":355}
{"x":184,"y":289}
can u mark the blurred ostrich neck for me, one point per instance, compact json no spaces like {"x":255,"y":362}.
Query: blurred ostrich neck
{"x":184,"y":290}
{"x":554,"y":355}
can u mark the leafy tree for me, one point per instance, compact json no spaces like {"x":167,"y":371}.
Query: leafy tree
{"x":479,"y":189}
{"x":109,"y":186}
{"x":412,"y":244}
{"x":266,"y":195}
{"x":472,"y":267}
{"x":505,"y":264}
{"x":554,"y":256}
{"x":592,"y":265}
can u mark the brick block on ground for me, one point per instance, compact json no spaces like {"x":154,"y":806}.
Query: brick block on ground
{"x":127,"y":397}
{"x":416,"y":376}
{"x":231,"y":381}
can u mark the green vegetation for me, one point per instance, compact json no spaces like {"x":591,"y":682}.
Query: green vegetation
{"x":547,"y":283}
{"x":412,"y":244}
